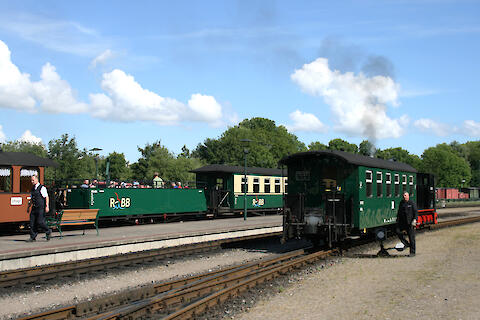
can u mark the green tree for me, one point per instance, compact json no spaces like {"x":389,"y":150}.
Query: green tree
{"x":157,"y":158}
{"x":22,"y":146}
{"x":73,"y":162}
{"x":400,"y":155}
{"x":269,"y":143}
{"x":449,"y":168}
{"x":118,"y":167}
{"x":342,"y":145}
{"x":317,"y":145}
{"x":366,"y":148}
{"x":185,"y":152}
{"x":473,"y":158}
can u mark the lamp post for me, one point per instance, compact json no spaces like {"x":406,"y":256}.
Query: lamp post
{"x":96,"y":161}
{"x":245,"y":185}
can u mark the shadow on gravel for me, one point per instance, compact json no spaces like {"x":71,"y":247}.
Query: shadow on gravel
{"x":373,"y":256}
{"x":268,"y":245}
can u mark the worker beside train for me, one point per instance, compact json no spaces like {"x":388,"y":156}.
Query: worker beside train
{"x":39,"y":205}
{"x":406,"y":221}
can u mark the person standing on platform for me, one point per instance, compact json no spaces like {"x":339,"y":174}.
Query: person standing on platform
{"x":38,"y":207}
{"x":406,"y":221}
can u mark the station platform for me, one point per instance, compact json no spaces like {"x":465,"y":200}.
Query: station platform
{"x":16,"y":253}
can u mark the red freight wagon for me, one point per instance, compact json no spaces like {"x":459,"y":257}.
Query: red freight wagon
{"x":452,"y":193}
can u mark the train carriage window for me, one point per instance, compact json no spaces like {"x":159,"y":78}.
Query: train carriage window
{"x":277,"y":185}
{"x":388,"y":183}
{"x":379,"y":185}
{"x":244,"y":183}
{"x":368,"y":182}
{"x":5,"y":179}
{"x":285,"y":184}
{"x":256,"y":185}
{"x":25,"y":178}
{"x":266,"y":185}
{"x":397,"y":185}
{"x":219,"y":184}
{"x":410,"y":185}
{"x":404,"y":183}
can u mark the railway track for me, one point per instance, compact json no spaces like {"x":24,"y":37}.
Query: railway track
{"x":42,"y":273}
{"x":186,"y":298}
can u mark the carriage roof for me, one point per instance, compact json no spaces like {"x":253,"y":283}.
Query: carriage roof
{"x":25,"y":159}
{"x":352,"y":158}
{"x":220,"y":168}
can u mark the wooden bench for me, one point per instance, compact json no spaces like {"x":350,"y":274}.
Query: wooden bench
{"x":74,"y":217}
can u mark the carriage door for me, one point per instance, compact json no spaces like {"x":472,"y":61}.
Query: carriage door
{"x":220,"y":194}
{"x":335,"y":210}
{"x":425,"y":191}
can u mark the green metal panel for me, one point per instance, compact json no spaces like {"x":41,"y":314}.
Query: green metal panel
{"x":258,"y":202}
{"x":124,"y":202}
{"x":376,"y":211}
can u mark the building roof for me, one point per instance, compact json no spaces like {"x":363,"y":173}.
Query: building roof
{"x":352,"y":158}
{"x":25,"y":159}
{"x":220,"y":168}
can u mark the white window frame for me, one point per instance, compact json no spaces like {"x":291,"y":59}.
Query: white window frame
{"x":266,"y":181}
{"x":366,"y":176}
{"x":379,"y":181}
{"x":388,"y":181}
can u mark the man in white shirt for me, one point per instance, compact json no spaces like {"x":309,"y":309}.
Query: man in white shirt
{"x":39,"y":204}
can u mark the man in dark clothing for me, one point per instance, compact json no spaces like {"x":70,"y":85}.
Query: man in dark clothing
{"x":39,"y":206}
{"x":406,"y":221}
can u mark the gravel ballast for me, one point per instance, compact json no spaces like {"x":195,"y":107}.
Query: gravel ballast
{"x":34,"y":298}
{"x":441,"y":282}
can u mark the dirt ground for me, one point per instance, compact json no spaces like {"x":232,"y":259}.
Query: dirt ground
{"x":441,"y":282}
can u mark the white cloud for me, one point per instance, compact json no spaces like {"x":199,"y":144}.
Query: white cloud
{"x":431,"y":126}
{"x":359,"y":103}
{"x":204,"y":108}
{"x":471,"y":128}
{"x":123,"y":99}
{"x":55,"y":94}
{"x":101,"y":58}
{"x":308,"y":122}
{"x":15,"y":87}
{"x":126,"y":100}
{"x":27,"y":136}
{"x":17,"y":91}
{"x":3,"y":137}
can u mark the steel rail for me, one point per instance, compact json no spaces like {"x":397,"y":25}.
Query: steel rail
{"x":40,"y":273}
{"x":455,"y":222}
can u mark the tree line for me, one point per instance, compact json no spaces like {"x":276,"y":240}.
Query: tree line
{"x":260,"y":140}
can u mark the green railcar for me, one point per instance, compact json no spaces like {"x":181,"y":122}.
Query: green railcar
{"x":335,"y":194}
{"x":225,"y":189}
{"x":131,"y":202}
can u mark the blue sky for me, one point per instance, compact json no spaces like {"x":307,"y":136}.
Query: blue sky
{"x":120,"y":74}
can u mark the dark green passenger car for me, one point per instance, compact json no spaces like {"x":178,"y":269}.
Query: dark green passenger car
{"x":335,"y":194}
